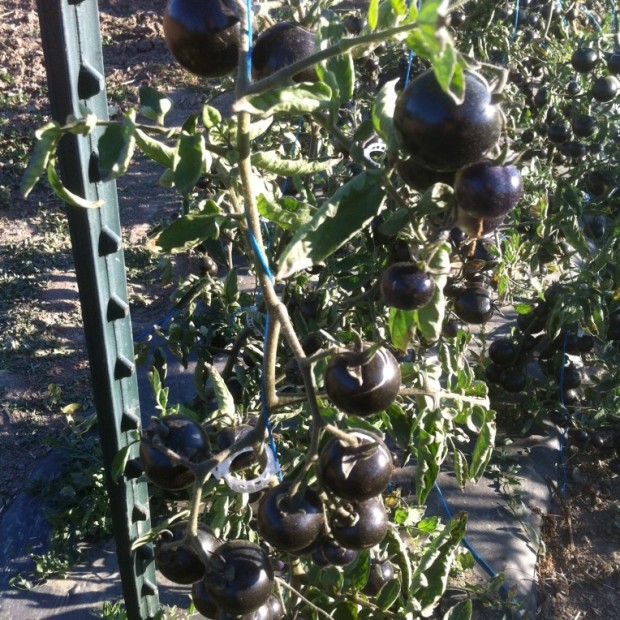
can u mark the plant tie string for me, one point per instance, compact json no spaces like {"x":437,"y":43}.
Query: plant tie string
{"x":264,"y":265}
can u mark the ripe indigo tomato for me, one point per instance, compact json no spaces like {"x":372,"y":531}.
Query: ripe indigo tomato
{"x":355,"y":472}
{"x":287,"y":523}
{"x":181,"y":435}
{"x":203,"y":35}
{"x":361,"y":385}
{"x":182,"y":564}
{"x":487,"y":190}
{"x":438,"y":132}
{"x":367,"y":527}
{"x":280,"y":46}
{"x":245,"y":579}
{"x":405,"y":287}
{"x":474,"y":305}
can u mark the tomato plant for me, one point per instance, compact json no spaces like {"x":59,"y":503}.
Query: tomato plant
{"x":376,"y":183}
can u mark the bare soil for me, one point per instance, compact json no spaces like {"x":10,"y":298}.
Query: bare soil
{"x":43,"y":362}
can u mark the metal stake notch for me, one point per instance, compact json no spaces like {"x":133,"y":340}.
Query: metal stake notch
{"x":74,"y":63}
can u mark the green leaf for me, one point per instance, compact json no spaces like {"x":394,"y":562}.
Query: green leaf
{"x":429,"y":318}
{"x":191,"y":162}
{"x":64,"y":194}
{"x":431,"y":576}
{"x":188,"y":230}
{"x":360,"y":570}
{"x":342,"y":216}
{"x":460,"y":611}
{"x":430,"y":443}
{"x":153,"y":104}
{"x":272,"y":162}
{"x":345,"y":610}
{"x":400,"y":7}
{"x":47,"y":138}
{"x":119,"y":462}
{"x":460,"y":468}
{"x":430,"y":11}
{"x":402,"y":325}
{"x":116,"y":147}
{"x":211,"y":117}
{"x":231,"y":288}
{"x":222,"y":393}
{"x":287,"y":212}
{"x":383,"y":114}
{"x":338,"y":72}
{"x":299,"y":99}
{"x":373,"y":14}
{"x":483,"y":448}
{"x":156,"y":150}
{"x":401,"y":556}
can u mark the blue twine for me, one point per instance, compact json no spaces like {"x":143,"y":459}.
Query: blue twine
{"x":516,"y":24}
{"x":250,"y":47}
{"x":265,"y":266}
{"x":410,"y":59}
{"x":591,"y":16}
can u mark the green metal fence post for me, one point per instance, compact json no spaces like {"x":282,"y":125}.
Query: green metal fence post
{"x":73,"y":58}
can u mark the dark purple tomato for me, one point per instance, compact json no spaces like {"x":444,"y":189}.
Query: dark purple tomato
{"x":281,"y":46}
{"x":450,"y":328}
{"x":366,"y":529}
{"x":405,"y":287}
{"x":573,"y":88}
{"x":203,"y":601}
{"x":264,"y":612}
{"x":613,"y":63}
{"x":558,"y":132}
{"x":243,"y":579}
{"x":604,"y":88}
{"x":571,"y":378}
{"x":181,"y":435}
{"x":476,"y":227}
{"x":287,"y":523}
{"x":493,"y":374}
{"x":182,"y":564}
{"x":487,"y":190}
{"x":228,"y":436}
{"x":584,"y":125}
{"x":570,"y":397}
{"x":355,"y":472}
{"x":441,"y":134}
{"x":584,"y":59}
{"x":503,"y":351}
{"x":420,"y":178}
{"x":474,"y":305}
{"x":330,"y":553}
{"x":381,"y":573}
{"x":363,"y":385}
{"x":514,"y":380}
{"x":586,"y":343}
{"x":578,"y":437}
{"x":203,"y":35}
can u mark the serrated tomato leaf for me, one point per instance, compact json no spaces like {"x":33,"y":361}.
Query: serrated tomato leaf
{"x":341,"y":217}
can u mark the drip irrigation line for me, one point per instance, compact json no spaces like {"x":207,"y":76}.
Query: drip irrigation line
{"x":477,"y":557}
